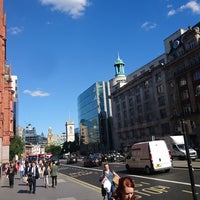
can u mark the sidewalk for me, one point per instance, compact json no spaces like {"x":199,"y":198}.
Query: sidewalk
{"x":184,"y":164}
{"x":67,"y":189}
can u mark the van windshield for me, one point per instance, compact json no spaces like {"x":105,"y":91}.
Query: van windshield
{"x":181,"y":146}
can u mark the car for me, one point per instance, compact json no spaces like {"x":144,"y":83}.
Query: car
{"x":92,"y":161}
{"x":55,"y":159}
{"x":71,"y":159}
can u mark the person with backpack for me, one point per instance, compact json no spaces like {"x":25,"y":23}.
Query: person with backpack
{"x":46,"y":175}
{"x":107,"y":181}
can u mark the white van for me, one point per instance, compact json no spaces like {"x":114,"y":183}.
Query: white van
{"x":178,"y":145}
{"x":150,"y":156}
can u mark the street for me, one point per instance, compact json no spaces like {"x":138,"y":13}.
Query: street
{"x":174,"y":185}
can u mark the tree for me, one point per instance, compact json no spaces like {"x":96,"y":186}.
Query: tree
{"x":55,"y":150}
{"x":16,"y":147}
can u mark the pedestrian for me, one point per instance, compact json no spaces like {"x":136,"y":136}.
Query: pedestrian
{"x":11,"y":174}
{"x":125,"y":189}
{"x":54,"y":173}
{"x":21,"y":169}
{"x":107,"y":179}
{"x":46,"y":175}
{"x":33,"y":175}
{"x":27,"y":168}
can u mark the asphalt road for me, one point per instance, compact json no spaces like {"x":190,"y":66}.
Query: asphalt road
{"x":173,"y":185}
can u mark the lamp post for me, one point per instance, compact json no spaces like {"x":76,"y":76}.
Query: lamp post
{"x":189,"y":161}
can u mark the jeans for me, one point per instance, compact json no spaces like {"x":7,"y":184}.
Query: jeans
{"x":109,"y":194}
{"x":54,"y":181}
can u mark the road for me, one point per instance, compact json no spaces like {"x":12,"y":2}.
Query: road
{"x":172,"y":185}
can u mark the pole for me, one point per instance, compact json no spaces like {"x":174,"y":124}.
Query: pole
{"x":189,"y":162}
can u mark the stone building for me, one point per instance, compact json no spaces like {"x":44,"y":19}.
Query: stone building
{"x":163,"y":97}
{"x":182,"y":73}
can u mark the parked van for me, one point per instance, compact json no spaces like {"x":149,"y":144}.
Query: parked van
{"x":150,"y":156}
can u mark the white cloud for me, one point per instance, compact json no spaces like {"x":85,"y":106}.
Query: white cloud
{"x":74,"y":8}
{"x":194,"y":6}
{"x":148,"y":25}
{"x":15,"y":30}
{"x":171,"y":12}
{"x":36,"y":93}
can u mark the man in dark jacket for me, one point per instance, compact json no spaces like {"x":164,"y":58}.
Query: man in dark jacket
{"x":33,"y":175}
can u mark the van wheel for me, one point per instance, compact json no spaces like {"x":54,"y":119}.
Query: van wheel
{"x":147,"y":170}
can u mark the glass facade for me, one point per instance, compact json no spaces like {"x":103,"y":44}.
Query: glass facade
{"x":93,"y":113}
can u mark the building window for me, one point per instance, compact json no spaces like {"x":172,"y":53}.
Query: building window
{"x":172,"y":98}
{"x":187,"y":109}
{"x":130,"y":102}
{"x":198,"y":90}
{"x":158,"y":76}
{"x":196,"y":75}
{"x":191,"y":44}
{"x":146,"y":95}
{"x":124,"y":105}
{"x":161,"y":101}
{"x":182,"y":81}
{"x":184,"y":95}
{"x":163,"y":113}
{"x":139,"y":109}
{"x":138,"y":99}
{"x":131,"y":112}
{"x":171,"y":84}
{"x":160,"y":89}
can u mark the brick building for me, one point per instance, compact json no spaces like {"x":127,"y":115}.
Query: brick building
{"x":6,"y":94}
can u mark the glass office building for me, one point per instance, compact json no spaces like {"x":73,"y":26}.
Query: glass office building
{"x":94,"y":115}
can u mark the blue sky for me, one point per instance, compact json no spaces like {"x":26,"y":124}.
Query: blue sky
{"x":59,"y":48}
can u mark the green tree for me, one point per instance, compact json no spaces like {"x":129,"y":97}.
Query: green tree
{"x":16,"y":147}
{"x":55,"y":150}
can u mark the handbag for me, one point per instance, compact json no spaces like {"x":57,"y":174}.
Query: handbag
{"x":116,"y":180}
{"x":25,"y":179}
{"x":107,"y":185}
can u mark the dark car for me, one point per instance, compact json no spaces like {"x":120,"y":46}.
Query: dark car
{"x":55,"y":159}
{"x":92,"y":161}
{"x":71,"y":159}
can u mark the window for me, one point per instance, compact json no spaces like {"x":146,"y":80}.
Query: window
{"x":139,"y":109}
{"x":161,"y":101}
{"x":191,"y":44}
{"x":160,"y":89}
{"x":163,"y":113}
{"x":196,"y":75}
{"x":158,"y":76}
{"x":147,"y":106}
{"x":146,"y":95}
{"x":130,"y":102}
{"x":187,"y":109}
{"x":138,"y":99}
{"x":184,"y":95}
{"x":182,"y":81}
{"x":198,"y":90}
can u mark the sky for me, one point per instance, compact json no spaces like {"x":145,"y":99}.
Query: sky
{"x":59,"y":48}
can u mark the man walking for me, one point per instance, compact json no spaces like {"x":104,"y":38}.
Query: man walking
{"x":54,"y":173}
{"x":33,"y":175}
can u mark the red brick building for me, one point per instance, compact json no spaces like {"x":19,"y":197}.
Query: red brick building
{"x":6,"y":94}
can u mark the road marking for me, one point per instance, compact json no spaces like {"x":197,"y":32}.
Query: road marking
{"x":143,"y":177}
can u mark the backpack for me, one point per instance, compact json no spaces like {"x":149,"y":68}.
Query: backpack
{"x":46,"y":171}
